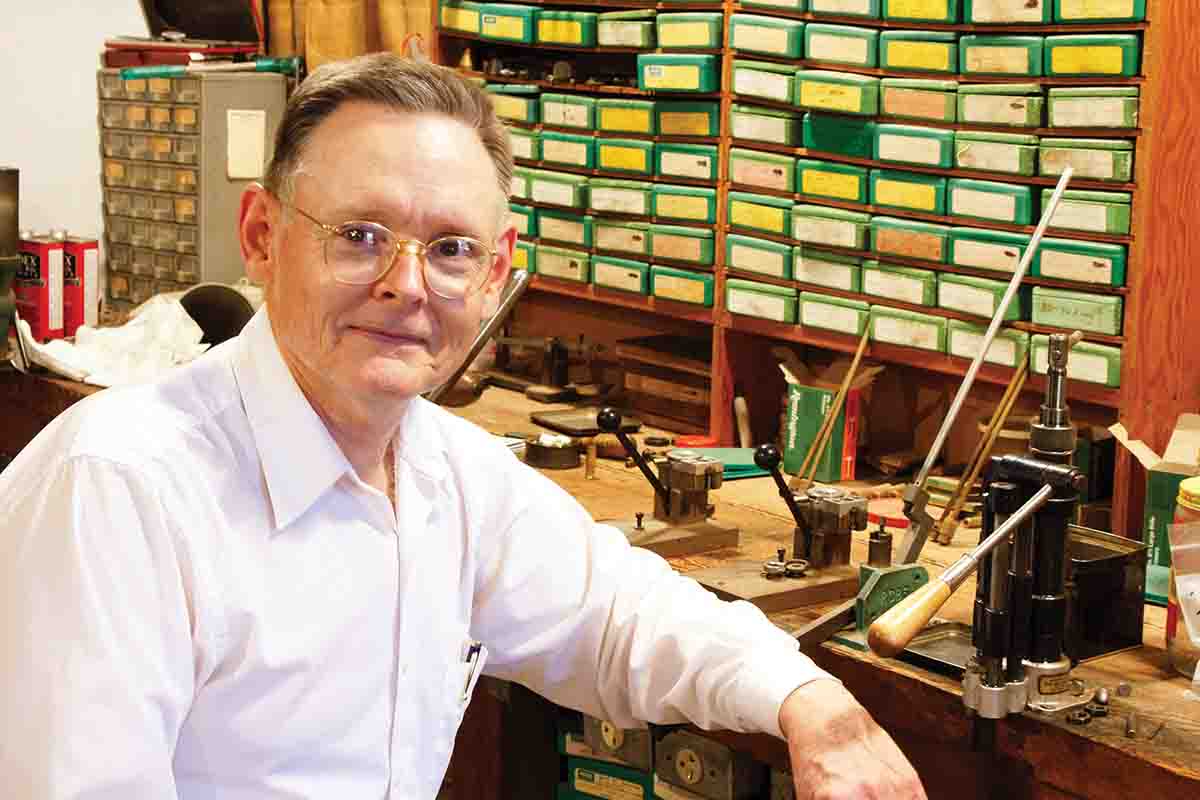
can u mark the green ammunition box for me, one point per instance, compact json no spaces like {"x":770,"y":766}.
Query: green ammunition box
{"x":572,"y":28}
{"x":919,"y":51}
{"x":515,"y":102}
{"x":943,"y":12}
{"x":842,"y":92}
{"x":560,"y":262}
{"x":1092,"y":159}
{"x":635,"y":156}
{"x":1099,"y":10}
{"x":918,"y":98}
{"x":1090,"y":362}
{"x":697,"y":161}
{"x":678,"y":72}
{"x":519,"y":187}
{"x":1098,"y":212}
{"x":569,"y":111}
{"x":525,"y":143}
{"x":572,"y":149}
{"x":621,"y":273}
{"x":831,"y":133}
{"x":1000,"y":55}
{"x":841,"y":44}
{"x":980,"y":296}
{"x":1017,"y":104}
{"x":765,"y":125}
{"x":905,"y":284}
{"x":752,"y":33}
{"x":689,"y":203}
{"x":758,"y":169}
{"x":571,"y":229}
{"x":1065,"y":308}
{"x":507,"y":22}
{"x":832,"y":227}
{"x":832,"y":180}
{"x":626,"y":116}
{"x":1001,"y":202}
{"x":1093,"y":107}
{"x":749,"y":254}
{"x":459,"y":15}
{"x":689,"y":31}
{"x":1109,"y":54}
{"x":786,"y":5}
{"x":1012,"y":153}
{"x":977,"y":248}
{"x":524,"y":219}
{"x":626,"y":29}
{"x":525,"y":256}
{"x":1010,"y":12}
{"x":908,"y":190}
{"x":682,"y":285}
{"x":867,"y":9}
{"x":620,"y":197}
{"x":764,"y":300}
{"x":965,"y":339}
{"x":912,"y":144}
{"x":763,"y":79}
{"x":679,"y":243}
{"x":593,"y":778}
{"x":909,"y":239}
{"x":834,"y":313}
{"x":831,"y":270}
{"x":908,"y":328}
{"x":1086,"y":262}
{"x":558,"y":188}
{"x":682,"y":118}
{"x":759,"y":212}
{"x":622,"y":237}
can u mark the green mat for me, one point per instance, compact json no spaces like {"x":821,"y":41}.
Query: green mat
{"x":738,"y":461}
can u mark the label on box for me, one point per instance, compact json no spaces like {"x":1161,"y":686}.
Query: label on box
{"x":832,"y":96}
{"x":918,"y":55}
{"x":841,"y":6}
{"x":1095,"y":9}
{"x":519,"y":188}
{"x":758,"y":173}
{"x":911,"y":149}
{"x":918,"y":9}
{"x":563,"y":31}
{"x":621,"y":201}
{"x":573,"y":115}
{"x":761,"y":38}
{"x":564,"y":152}
{"x":520,"y":222}
{"x":54,"y":281}
{"x":765,"y":129}
{"x":895,"y":287}
{"x":522,"y":146}
{"x":1007,"y":10}
{"x":510,"y":107}
{"x":626,"y":240}
{"x":772,"y":85}
{"x":909,"y":195}
{"x":562,"y":194}
{"x":757,"y":304}
{"x":969,"y":299}
{"x":676,"y":288}
{"x":618,"y":277}
{"x":1086,"y":60}
{"x":613,"y":156}
{"x":1080,"y":216}
{"x":503,"y":27}
{"x":1080,"y":367}
{"x":755,"y":260}
{"x":625,"y":119}
{"x":684,"y":34}
{"x":564,"y":230}
{"x":620,"y":34}
{"x":991,"y":156}
{"x":665,"y":791}
{"x":828,"y":315}
{"x":833,"y":232}
{"x":559,"y":266}
{"x":755,"y":216}
{"x":683,"y":123}
{"x":830,"y":184}
{"x":682,"y":207}
{"x":673,"y":76}
{"x":1087,"y":163}
{"x":986,"y":255}
{"x":463,"y":19}
{"x":824,"y":273}
{"x":966,"y":344}
{"x":988,"y":205}
{"x":996,"y":109}
{"x":829,"y":47}
{"x":689,"y":165}
{"x":907,"y":332}
{"x":1100,"y":112}
{"x":1011,"y":60}
{"x":680,"y":248}
{"x":914,"y":103}
{"x":520,"y":258}
{"x":1075,"y":267}
{"x":914,"y":244}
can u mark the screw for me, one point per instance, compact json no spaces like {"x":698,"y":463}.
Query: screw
{"x":781,"y":554}
{"x":638,"y":516}
{"x":1101,"y":696}
{"x":1131,"y":726}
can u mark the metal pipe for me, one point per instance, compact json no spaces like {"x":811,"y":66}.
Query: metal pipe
{"x":957,"y":572}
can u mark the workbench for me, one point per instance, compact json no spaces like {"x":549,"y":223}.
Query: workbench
{"x":1035,"y":756}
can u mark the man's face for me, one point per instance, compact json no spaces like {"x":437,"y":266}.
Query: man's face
{"x":422,"y":176}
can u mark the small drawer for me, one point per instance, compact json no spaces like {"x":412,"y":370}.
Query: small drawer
{"x":162,"y":179}
{"x":185,"y":180}
{"x":186,"y":119}
{"x":141,"y":289}
{"x":135,"y":89}
{"x":140,"y":233}
{"x":114,"y":144}
{"x":115,"y":173}
{"x":185,"y":239}
{"x":118,"y":283}
{"x":186,"y":151}
{"x":164,"y":266}
{"x":159,"y":90}
{"x":118,"y":230}
{"x":186,"y":90}
{"x":185,"y":210}
{"x":139,"y":205}
{"x":137,"y":117}
{"x":162,"y":207}
{"x":159,"y":118}
{"x":162,"y":236}
{"x":141,"y":176}
{"x":188,"y":269}
{"x":120,"y":256}
{"x":160,"y":148}
{"x":142,"y":262}
{"x":139,"y":145}
{"x":112,"y":115}
{"x":110,"y":85}
{"x":117,"y":203}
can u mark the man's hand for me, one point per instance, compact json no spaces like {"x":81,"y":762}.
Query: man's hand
{"x":837,"y":750}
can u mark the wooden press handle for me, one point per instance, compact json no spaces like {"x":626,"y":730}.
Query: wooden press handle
{"x":892,"y":632}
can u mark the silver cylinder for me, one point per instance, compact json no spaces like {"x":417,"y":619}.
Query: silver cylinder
{"x":9,"y":208}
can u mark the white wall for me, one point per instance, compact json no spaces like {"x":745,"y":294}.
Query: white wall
{"x":49,"y":53}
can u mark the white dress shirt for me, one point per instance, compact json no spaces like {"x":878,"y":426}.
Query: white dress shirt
{"x":199,"y":598}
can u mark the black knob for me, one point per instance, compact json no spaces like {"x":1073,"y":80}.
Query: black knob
{"x":766,"y":456}
{"x":608,"y":420}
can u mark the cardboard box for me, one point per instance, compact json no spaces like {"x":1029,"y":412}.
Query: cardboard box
{"x":626,"y":29}
{"x":753,"y":33}
{"x":980,"y":296}
{"x":559,"y":262}
{"x":602,"y":779}
{"x":1092,"y":159}
{"x":759,"y":169}
{"x":687,"y":203}
{"x":831,"y":270}
{"x":908,"y":190}
{"x":621,"y":273}
{"x":841,"y":44}
{"x":913,"y":144}
{"x":1099,"y":212}
{"x":1000,"y":251}
{"x":460,"y":15}
{"x":904,"y":284}
{"x":570,"y":149}
{"x":516,"y":102}
{"x":943,"y":12}
{"x":508,"y":22}
{"x":1099,"y":54}
{"x":696,"y":161}
{"x":832,"y":313}
{"x":681,"y":285}
{"x":809,"y":398}
{"x":561,"y":226}
{"x":622,"y":237}
{"x":759,"y":212}
{"x":1015,"y":104}
{"x":833,"y":227}
{"x":891,"y":236}
{"x":908,"y":328}
{"x":1093,"y":107}
{"x":678,"y":72}
{"x":1000,"y":55}
{"x":525,"y":143}
{"x":689,"y":30}
{"x":681,"y":243}
{"x":620,"y":197}
{"x":558,"y":188}
{"x":763,"y":300}
{"x":869,"y":9}
{"x":833,"y":133}
{"x":1012,"y":153}
{"x":1013,"y":12}
{"x":919,"y":98}
{"x":839,"y":92}
{"x":569,"y":111}
{"x":765,"y":124}
{"x":919,"y":51}
{"x":626,"y":116}
{"x":763,"y":79}
{"x":525,"y":256}
{"x":1092,"y":11}
{"x":572,"y":28}
{"x":687,"y":118}
{"x":832,"y":180}
{"x":763,"y":256}
{"x":1071,"y":310}
{"x":524,"y":218}
{"x":990,"y":200}
{"x":634,"y":156}
{"x":1008,"y":349}
{"x":1085,"y":262}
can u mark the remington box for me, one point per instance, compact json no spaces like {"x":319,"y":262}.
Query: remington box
{"x":1099,"y":10}
{"x":763,"y":79}
{"x":680,"y":243}
{"x":832,"y":180}
{"x":682,"y":285}
{"x":832,"y":227}
{"x":460,"y":15}
{"x":1007,"y":12}
{"x":1008,"y":349}
{"x":1092,"y":159}
{"x":999,"y":251}
{"x":626,"y":116}
{"x":695,"y":161}
{"x":765,"y":125}
{"x":1090,"y":362}
{"x":841,"y":44}
{"x":688,"y":203}
{"x":980,"y":296}
{"x":908,"y":190}
{"x":809,"y":401}
{"x":786,"y":5}
{"x":868,"y":9}
{"x":842,"y":92}
{"x":919,"y":98}
{"x":834,"y":313}
{"x":755,"y":168}
{"x":525,"y":256}
{"x":912,"y":144}
{"x":1012,"y":153}
{"x":1093,"y":107}
{"x":519,"y":186}
{"x":515,"y":102}
{"x":759,"y":212}
{"x":626,"y":29}
{"x":1000,"y":55}
{"x":1016,"y":104}
{"x":763,"y":300}
{"x":678,"y":72}
{"x":524,"y":219}
{"x":572,"y":149}
{"x":559,"y":262}
{"x":569,"y":111}
{"x":909,"y":239}
{"x":1107,"y":54}
{"x":622,"y":237}
{"x":558,"y":188}
{"x":572,"y":28}
{"x":990,"y":200}
{"x":525,"y":143}
{"x":919,"y":51}
{"x":507,"y":22}
{"x":590,"y":778}
{"x":1064,"y":308}
{"x":1086,"y":262}
{"x":846,"y":136}
{"x":908,"y":328}
{"x":917,"y":287}
{"x":682,"y":118}
{"x":621,"y":273}
{"x":571,"y":229}
{"x":763,"y":256}
{"x":943,"y":12}
{"x":1097,"y":212}
{"x":620,"y":197}
{"x":830,"y":270}
{"x":689,"y":31}
{"x":752,"y":33}
{"x":635,"y":156}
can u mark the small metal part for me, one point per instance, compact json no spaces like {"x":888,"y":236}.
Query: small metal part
{"x":795,"y":567}
{"x":688,"y":766}
{"x":1096,"y":710}
{"x":1101,"y":696}
{"x":708,"y":768}
{"x":658,"y":441}
{"x":1124,"y":689}
{"x":879,"y":547}
{"x":773,"y":568}
{"x":612,"y":736}
{"x":1078,"y":687}
{"x":1131,"y":726}
{"x":1079,"y":717}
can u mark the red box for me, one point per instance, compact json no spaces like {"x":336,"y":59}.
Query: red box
{"x":81,"y":283}
{"x":39,"y":286}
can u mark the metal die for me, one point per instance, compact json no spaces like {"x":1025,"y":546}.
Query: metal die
{"x":708,"y":768}
{"x":630,"y":746}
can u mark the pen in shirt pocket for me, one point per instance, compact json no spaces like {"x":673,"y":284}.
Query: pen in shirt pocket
{"x":475,"y":658}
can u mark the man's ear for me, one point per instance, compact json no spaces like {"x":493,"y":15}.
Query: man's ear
{"x":255,"y":230}
{"x":505,"y":245}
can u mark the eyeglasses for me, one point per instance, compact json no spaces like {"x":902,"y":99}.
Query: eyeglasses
{"x":360,"y":253}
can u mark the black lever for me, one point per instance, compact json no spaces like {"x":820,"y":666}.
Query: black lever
{"x":767,"y":456}
{"x":609,"y":421}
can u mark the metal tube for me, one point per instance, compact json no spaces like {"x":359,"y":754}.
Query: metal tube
{"x":10,"y":182}
{"x":957,"y":572}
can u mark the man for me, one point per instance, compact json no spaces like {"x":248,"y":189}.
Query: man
{"x":279,"y":572}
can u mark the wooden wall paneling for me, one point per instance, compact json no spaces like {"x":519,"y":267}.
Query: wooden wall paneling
{"x":721,"y":420}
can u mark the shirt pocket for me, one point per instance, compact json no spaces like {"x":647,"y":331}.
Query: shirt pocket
{"x":461,"y":679}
